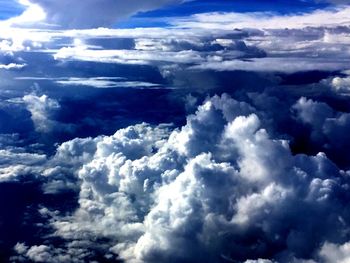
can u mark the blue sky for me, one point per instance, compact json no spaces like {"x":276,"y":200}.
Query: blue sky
{"x":9,"y":8}
{"x":193,"y":7}
{"x":174,"y":131}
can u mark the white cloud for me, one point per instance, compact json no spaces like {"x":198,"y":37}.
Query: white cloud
{"x":12,"y":66}
{"x":154,"y":192}
{"x":311,"y":112}
{"x":319,"y":18}
{"x":218,"y":188}
{"x":314,"y":41}
{"x":126,"y":56}
{"x":335,"y":253}
{"x":32,"y":16}
{"x":39,"y":253}
{"x":41,"y":109}
{"x":16,"y":162}
{"x":288,"y":51}
{"x":276,"y":64}
{"x":341,"y":84}
{"x":102,"y":82}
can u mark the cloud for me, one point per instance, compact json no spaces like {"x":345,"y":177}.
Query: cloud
{"x":33,"y":15}
{"x":42,"y":109}
{"x":267,"y":20}
{"x":335,"y":253}
{"x":210,"y":41}
{"x":16,"y":162}
{"x":102,"y":82}
{"x":222,"y":186}
{"x":76,"y":14}
{"x":219,"y":188}
{"x":328,"y":127}
{"x":285,"y":65}
{"x":340,"y":84}
{"x":12,"y":66}
{"x":96,"y":82}
{"x":345,"y":2}
{"x":126,"y":56}
{"x":266,"y":50}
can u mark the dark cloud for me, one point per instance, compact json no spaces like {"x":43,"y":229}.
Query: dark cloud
{"x":342,"y":2}
{"x":328,"y":128}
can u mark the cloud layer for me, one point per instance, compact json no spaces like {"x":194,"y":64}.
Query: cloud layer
{"x":259,"y":175}
{"x":219,"y":188}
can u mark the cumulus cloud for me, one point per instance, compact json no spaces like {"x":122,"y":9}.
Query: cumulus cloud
{"x":41,"y":108}
{"x":335,"y":253}
{"x":341,"y":84}
{"x":328,"y":127}
{"x":218,"y":189}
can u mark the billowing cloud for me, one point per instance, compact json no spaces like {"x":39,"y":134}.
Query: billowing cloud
{"x":328,"y":127}
{"x":341,"y":84}
{"x":335,"y":253}
{"x":260,"y":178}
{"x":41,"y":108}
{"x":218,"y":189}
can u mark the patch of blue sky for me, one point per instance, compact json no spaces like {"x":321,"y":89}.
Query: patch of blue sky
{"x":10,"y":8}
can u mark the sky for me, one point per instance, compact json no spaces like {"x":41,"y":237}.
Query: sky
{"x":182,"y":131}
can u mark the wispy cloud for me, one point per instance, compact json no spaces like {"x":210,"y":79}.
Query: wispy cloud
{"x":12,"y":66}
{"x":103,"y":82}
